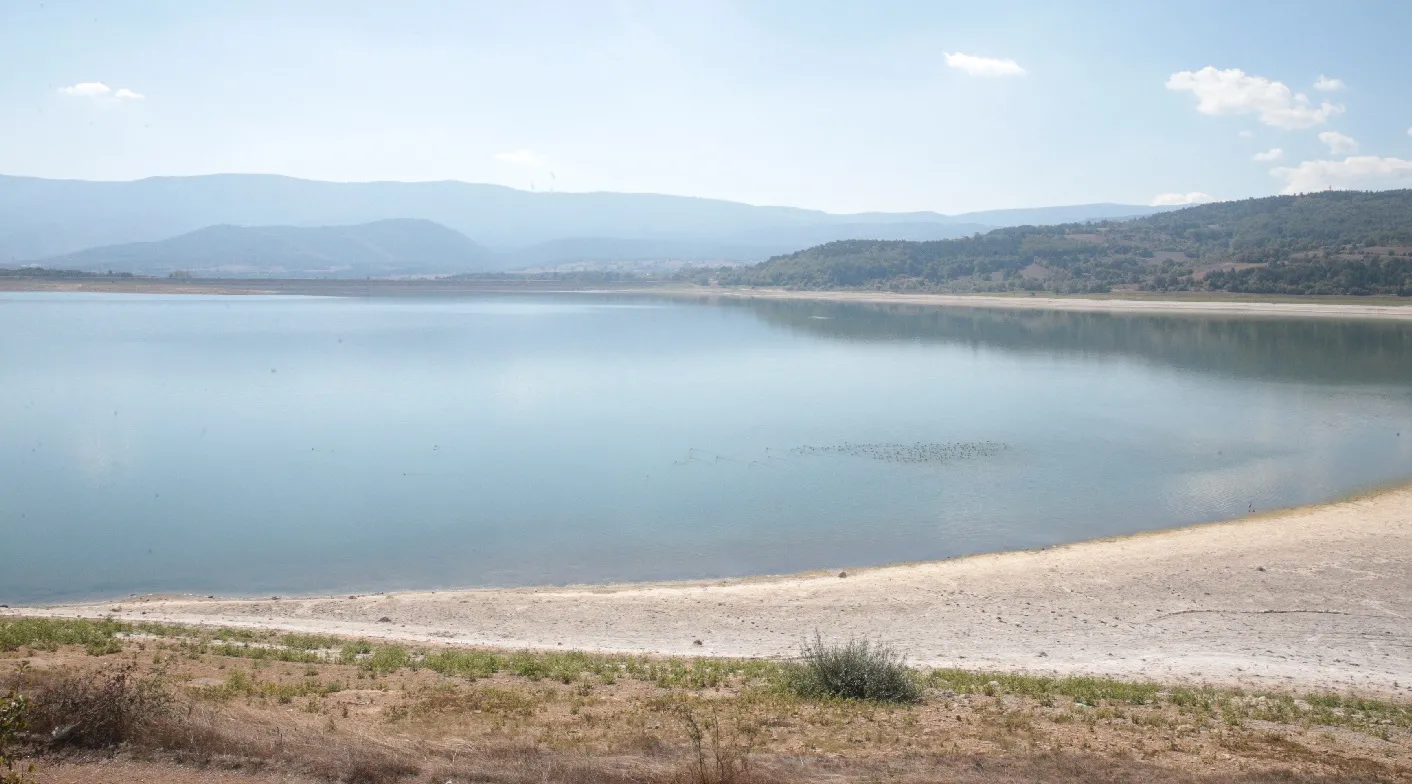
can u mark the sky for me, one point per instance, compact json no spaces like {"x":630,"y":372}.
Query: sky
{"x":845,"y":107}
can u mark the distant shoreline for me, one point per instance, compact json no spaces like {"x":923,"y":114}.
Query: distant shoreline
{"x":1393,"y":308}
{"x":1344,"y":307}
{"x":1312,"y":597}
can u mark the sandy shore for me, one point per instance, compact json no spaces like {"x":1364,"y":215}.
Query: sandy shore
{"x":1313,"y":597}
{"x":1288,"y":307}
{"x":1233,"y":307}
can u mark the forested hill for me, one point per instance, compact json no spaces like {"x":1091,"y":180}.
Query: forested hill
{"x":1336,"y":242}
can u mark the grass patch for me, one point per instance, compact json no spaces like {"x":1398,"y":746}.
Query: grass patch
{"x":47,"y":634}
{"x":311,"y":642}
{"x":1081,"y":689}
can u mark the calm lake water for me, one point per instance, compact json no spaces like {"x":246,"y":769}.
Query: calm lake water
{"x":279,"y":445}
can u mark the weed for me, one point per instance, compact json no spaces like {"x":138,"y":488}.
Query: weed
{"x":14,"y":719}
{"x":720,"y":755}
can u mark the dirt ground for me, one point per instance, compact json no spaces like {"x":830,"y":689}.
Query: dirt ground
{"x":244,"y":719}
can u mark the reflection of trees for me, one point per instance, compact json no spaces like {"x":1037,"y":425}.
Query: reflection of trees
{"x":1310,"y":350}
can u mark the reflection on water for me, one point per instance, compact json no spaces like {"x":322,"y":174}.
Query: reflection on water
{"x":1305,"y":350}
{"x":284,"y":445}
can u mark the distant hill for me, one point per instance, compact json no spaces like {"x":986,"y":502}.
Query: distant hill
{"x":1337,"y":242}
{"x":379,"y":249}
{"x":750,"y":246}
{"x":1044,"y":216}
{"x":41,"y":218}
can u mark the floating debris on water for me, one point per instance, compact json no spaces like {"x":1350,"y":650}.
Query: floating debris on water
{"x":918,"y":452}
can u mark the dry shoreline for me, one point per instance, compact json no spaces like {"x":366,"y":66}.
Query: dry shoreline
{"x":1145,"y":305}
{"x":1286,"y":307}
{"x":1315,"y":597}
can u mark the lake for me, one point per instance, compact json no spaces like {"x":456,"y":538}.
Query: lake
{"x":282,"y":445}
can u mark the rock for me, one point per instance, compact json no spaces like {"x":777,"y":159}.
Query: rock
{"x":384,"y":619}
{"x":1259,"y":568}
{"x":843,"y":574}
{"x":352,"y":597}
{"x":696,"y":642}
{"x":1043,"y":655}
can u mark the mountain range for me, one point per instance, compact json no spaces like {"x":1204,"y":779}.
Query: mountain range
{"x":386,"y":248}
{"x":274,"y":225}
{"x":1330,"y":242}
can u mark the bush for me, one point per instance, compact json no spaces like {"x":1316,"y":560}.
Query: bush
{"x":97,"y":711}
{"x":856,"y":670}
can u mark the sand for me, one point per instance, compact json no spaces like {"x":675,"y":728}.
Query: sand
{"x":1311,"y":307}
{"x":1316,"y":597}
{"x":1138,"y":303}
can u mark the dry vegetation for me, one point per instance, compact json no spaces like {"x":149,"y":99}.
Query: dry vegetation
{"x":244,"y":706}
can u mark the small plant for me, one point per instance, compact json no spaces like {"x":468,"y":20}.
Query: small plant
{"x":14,"y":719}
{"x":857,"y":670}
{"x":720,"y":754}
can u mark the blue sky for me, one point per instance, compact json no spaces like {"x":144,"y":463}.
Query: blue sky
{"x":839,"y":106}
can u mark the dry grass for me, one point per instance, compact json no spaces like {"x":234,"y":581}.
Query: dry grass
{"x":328,"y":709}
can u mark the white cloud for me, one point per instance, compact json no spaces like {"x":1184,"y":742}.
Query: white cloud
{"x":1409,"y":131}
{"x":1245,"y":134}
{"x":1368,"y":172}
{"x":99,"y":91}
{"x":1174,"y":199}
{"x":1328,"y":84}
{"x":526,"y":158}
{"x":983,"y":66}
{"x":1338,"y":143}
{"x":88,"y":90}
{"x":1269,"y":155}
{"x":1233,"y":91}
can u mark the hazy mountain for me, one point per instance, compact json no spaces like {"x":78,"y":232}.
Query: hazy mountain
{"x":1045,"y":216}
{"x":44,"y":218}
{"x":379,"y":249}
{"x":749,"y":246}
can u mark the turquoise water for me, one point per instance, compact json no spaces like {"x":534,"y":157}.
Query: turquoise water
{"x":279,"y":445}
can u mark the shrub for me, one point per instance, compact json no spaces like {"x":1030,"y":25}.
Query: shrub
{"x":856,"y":670}
{"x":97,"y":711}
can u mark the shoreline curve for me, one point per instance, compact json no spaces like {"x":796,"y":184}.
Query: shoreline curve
{"x":1314,"y":597}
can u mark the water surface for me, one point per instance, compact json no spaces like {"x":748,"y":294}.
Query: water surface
{"x":259,"y":445}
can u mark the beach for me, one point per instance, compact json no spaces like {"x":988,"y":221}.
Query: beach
{"x":1312,"y":598}
{"x":1381,"y":307}
{"x":1287,"y":307}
